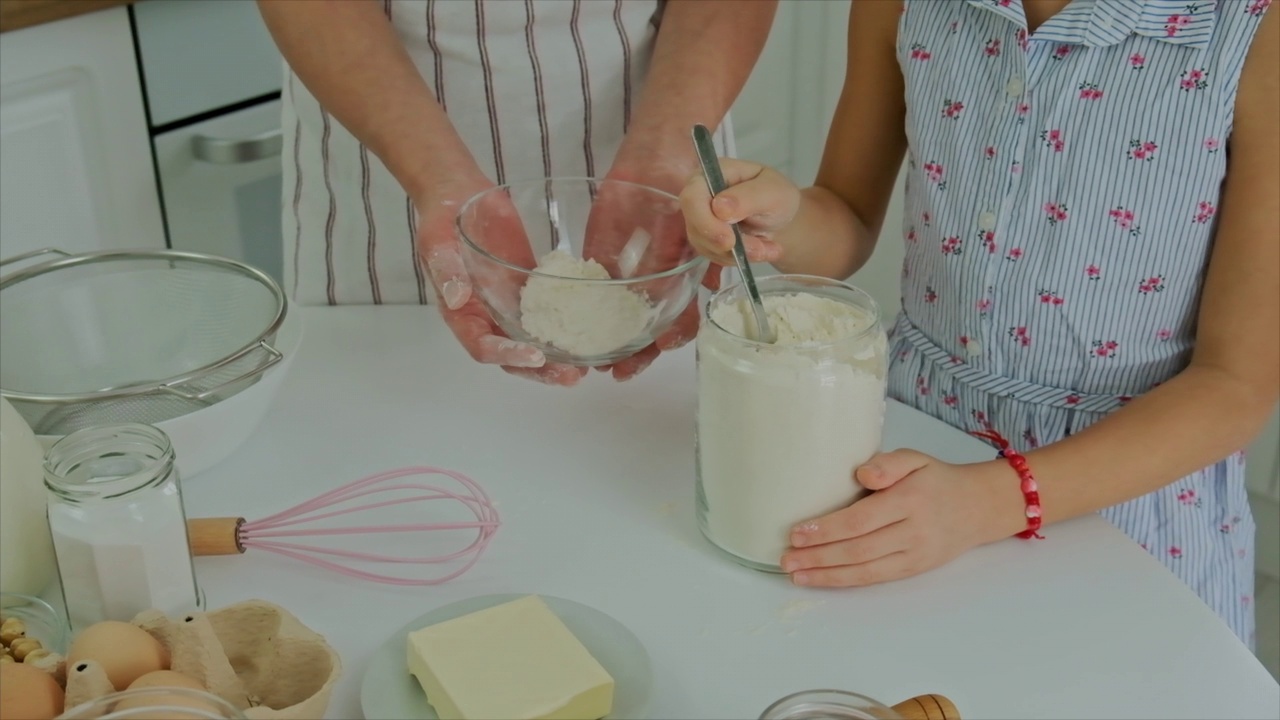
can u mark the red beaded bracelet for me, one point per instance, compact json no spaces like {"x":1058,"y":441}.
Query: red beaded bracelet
{"x":1030,"y":491}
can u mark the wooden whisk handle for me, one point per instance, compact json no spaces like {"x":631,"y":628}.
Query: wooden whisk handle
{"x":927,"y":707}
{"x":215,"y":536}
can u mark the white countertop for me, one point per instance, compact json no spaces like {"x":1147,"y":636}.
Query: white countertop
{"x":595,"y":488}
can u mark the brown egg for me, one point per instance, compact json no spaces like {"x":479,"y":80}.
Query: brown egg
{"x":166,"y":679}
{"x":28,"y":693}
{"x":126,"y":652}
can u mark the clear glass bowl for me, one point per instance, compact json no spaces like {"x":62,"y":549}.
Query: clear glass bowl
{"x":42,"y":621}
{"x":155,"y":703}
{"x":507,"y":230}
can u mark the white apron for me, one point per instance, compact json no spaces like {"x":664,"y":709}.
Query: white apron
{"x":503,"y":70}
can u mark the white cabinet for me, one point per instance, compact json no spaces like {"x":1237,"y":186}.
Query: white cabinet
{"x":75,"y":156}
{"x":221,"y":182}
{"x":197,"y":55}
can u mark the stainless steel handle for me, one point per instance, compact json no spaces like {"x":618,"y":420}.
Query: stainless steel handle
{"x":273,"y":356}
{"x":221,"y":151}
{"x":29,"y":256}
{"x":33,"y":253}
{"x":716,"y":184}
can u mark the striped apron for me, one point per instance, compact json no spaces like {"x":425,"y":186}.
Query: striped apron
{"x":576,"y":66}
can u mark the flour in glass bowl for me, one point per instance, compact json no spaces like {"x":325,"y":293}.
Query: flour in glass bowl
{"x":583,"y":319}
{"x":781,"y":427}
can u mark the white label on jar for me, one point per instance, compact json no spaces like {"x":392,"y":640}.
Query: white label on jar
{"x":781,"y":428}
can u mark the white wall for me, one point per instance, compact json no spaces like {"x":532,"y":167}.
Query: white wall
{"x":782,"y":118}
{"x":783,"y":114}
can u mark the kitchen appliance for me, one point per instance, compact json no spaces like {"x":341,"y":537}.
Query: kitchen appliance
{"x":211,"y":76}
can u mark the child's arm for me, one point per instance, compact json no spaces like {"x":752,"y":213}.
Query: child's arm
{"x":929,"y":511}
{"x":831,"y":228}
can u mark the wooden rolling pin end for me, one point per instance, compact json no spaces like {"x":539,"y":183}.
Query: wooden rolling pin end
{"x":927,"y":707}
{"x":215,"y":536}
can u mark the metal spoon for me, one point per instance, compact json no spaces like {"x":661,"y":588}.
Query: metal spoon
{"x":716,"y":184}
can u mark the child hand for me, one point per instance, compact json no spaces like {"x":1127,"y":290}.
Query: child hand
{"x":923,"y":514}
{"x":758,"y":198}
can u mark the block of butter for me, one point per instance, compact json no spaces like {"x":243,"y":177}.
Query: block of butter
{"x":514,"y":661}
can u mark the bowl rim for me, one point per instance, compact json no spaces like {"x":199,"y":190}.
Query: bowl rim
{"x":470,"y":244}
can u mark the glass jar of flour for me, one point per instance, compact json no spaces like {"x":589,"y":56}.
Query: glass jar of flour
{"x":781,"y":427}
{"x":118,"y":524}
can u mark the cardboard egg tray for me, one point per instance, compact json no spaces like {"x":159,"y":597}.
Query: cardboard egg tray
{"x":254,"y":654}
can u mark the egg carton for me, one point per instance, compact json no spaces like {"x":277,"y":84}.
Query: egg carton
{"x":254,"y":654}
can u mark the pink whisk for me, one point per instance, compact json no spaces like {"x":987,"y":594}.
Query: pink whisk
{"x":233,"y":535}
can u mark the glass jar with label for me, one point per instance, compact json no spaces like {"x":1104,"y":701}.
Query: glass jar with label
{"x":781,"y":427}
{"x":118,"y":524}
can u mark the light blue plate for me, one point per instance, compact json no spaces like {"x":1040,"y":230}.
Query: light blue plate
{"x":389,"y":692}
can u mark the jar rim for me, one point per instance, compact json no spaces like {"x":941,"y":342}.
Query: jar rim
{"x":816,"y":281}
{"x":107,"y":707}
{"x":146,"y":442}
{"x":827,"y":697}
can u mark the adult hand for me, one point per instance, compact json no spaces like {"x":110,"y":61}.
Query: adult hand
{"x":632,"y":233}
{"x":760,"y":199}
{"x":923,"y":514}
{"x":441,"y":252}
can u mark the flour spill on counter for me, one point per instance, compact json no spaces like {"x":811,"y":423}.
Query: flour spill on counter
{"x":793,"y":611}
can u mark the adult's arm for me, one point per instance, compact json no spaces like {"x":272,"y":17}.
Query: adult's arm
{"x":704,"y":53}
{"x":349,"y":57}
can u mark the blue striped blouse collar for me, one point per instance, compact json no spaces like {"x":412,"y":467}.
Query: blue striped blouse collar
{"x":1099,"y":23}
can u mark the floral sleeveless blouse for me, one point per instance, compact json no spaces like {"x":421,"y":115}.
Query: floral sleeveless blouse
{"x":1062,"y":198}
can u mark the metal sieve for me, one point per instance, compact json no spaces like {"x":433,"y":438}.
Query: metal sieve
{"x":123,"y":336}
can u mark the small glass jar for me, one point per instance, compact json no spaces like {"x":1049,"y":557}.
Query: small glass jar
{"x":26,"y":552}
{"x":782,"y":427}
{"x":118,"y":524}
{"x":828,"y":705}
{"x":39,"y":620}
{"x":155,"y":703}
